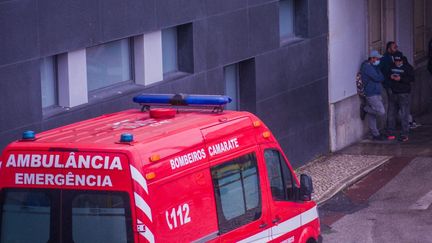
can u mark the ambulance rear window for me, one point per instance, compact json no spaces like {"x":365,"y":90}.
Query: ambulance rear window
{"x":237,"y":192}
{"x":49,"y":216}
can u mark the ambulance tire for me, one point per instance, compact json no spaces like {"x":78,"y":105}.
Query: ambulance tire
{"x":311,"y":240}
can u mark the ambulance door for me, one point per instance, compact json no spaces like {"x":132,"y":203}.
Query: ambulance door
{"x":282,"y":183}
{"x":242,"y":208}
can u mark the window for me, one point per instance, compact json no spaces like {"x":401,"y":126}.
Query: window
{"x":293,"y":20}
{"x":237,"y":192}
{"x":108,"y":64}
{"x":48,"y":82}
{"x":42,"y":216}
{"x":25,"y":217}
{"x":240,"y":85}
{"x":279,"y":176}
{"x":169,"y":50}
{"x":104,"y":210}
{"x":231,"y":76}
{"x":177,"y":50}
{"x":286,"y":19}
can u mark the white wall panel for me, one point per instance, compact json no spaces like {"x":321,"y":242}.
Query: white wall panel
{"x":347,"y":46}
{"x":72,"y":78}
{"x":148,"y":58}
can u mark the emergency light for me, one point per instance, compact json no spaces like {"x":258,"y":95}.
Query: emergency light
{"x":126,"y":138}
{"x":28,"y":135}
{"x":182,"y":99}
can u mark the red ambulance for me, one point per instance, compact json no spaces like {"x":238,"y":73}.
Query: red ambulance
{"x":160,"y":174}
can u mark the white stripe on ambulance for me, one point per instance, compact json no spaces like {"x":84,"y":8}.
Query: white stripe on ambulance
{"x":142,"y":204}
{"x":139,"y":178}
{"x":147,"y":233}
{"x":53,"y":161}
{"x":284,"y":227}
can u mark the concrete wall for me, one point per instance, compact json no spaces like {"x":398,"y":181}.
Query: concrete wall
{"x":347,"y":46}
{"x":347,"y":50}
{"x":291,"y":79}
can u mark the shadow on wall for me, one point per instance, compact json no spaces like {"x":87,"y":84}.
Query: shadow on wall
{"x":421,"y":93}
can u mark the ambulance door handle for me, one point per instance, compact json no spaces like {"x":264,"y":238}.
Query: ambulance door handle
{"x":276,"y":220}
{"x":263,"y":225}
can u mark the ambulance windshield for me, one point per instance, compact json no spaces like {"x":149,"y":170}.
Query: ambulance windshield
{"x":48,"y":216}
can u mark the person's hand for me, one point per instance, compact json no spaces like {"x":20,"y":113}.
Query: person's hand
{"x":395,"y":77}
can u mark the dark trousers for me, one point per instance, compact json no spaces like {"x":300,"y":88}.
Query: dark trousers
{"x":399,"y":105}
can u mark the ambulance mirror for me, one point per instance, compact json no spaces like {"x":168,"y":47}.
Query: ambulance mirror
{"x":306,"y":187}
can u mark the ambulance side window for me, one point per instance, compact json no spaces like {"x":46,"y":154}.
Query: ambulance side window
{"x":279,"y":176}
{"x":237,"y":192}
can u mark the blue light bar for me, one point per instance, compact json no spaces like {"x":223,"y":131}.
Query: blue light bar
{"x":182,"y":99}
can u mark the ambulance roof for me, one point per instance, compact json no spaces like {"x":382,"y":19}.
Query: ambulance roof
{"x":175,"y":125}
{"x":106,"y":130}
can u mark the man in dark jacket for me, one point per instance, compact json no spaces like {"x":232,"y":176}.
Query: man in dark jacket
{"x":373,"y":78}
{"x":387,"y":61}
{"x":401,"y":76}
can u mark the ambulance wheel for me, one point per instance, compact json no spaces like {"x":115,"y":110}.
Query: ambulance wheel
{"x":311,"y":240}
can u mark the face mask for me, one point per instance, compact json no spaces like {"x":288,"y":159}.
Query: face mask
{"x":376,"y":63}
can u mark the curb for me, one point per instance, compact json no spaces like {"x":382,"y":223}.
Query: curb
{"x":349,"y":181}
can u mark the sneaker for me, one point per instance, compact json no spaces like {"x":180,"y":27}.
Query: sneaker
{"x":379,"y":138}
{"x":390,"y":135}
{"x":414,"y":125}
{"x":403,"y":138}
{"x":362,"y":112}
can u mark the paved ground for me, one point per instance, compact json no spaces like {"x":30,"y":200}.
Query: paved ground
{"x":335,"y":172}
{"x":385,"y":211}
{"x":391,"y":204}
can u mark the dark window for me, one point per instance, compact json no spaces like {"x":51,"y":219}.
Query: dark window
{"x":109,"y":64}
{"x":240,"y":85}
{"x":106,"y":211}
{"x":279,"y":175}
{"x":231,"y":76}
{"x":51,"y":216}
{"x":237,"y":192}
{"x":286,"y":18}
{"x":26,"y":217}
{"x":177,"y":50}
{"x":49,"y":82}
{"x":293,"y":19}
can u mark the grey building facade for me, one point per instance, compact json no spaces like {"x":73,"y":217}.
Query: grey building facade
{"x":236,"y":47}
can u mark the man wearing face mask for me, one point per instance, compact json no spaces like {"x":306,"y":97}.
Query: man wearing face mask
{"x":401,"y":76}
{"x":373,"y":78}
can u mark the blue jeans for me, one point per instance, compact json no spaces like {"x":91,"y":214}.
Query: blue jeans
{"x":399,"y":104}
{"x":374,"y":109}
